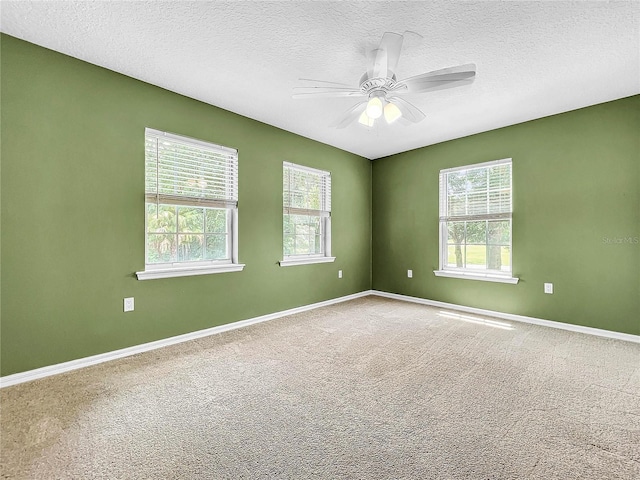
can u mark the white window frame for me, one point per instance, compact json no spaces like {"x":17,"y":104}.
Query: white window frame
{"x":463,"y":273}
{"x":183,"y":269}
{"x":324,"y":214}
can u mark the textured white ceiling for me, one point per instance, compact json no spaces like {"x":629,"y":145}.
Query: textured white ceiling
{"x":533,"y":58}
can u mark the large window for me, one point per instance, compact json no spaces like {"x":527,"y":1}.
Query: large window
{"x":475,"y":222}
{"x":191,"y":202}
{"x":306,"y":215}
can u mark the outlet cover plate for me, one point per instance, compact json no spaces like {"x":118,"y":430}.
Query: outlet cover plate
{"x":128,"y":304}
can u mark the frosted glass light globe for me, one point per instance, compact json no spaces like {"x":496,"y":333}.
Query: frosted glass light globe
{"x":391,"y":113}
{"x":374,"y":108}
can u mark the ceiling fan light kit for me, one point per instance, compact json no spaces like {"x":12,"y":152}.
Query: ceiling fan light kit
{"x":391,"y":113}
{"x":382,"y":90}
{"x":374,"y":105}
{"x":365,"y":120}
{"x":375,"y":110}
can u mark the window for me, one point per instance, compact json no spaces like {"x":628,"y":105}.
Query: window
{"x":191,"y":207}
{"x":475,"y":222}
{"x":306,"y":215}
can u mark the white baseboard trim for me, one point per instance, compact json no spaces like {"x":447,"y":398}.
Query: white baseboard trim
{"x":516,"y":318}
{"x":50,"y":370}
{"x":47,"y":371}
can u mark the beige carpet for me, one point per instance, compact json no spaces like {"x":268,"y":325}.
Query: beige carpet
{"x":367,"y":389}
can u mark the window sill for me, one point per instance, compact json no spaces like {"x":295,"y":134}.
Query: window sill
{"x":486,"y":277}
{"x":305,"y":261}
{"x":187,"y":271}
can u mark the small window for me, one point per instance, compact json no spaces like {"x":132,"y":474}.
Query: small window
{"x":191,"y":207}
{"x":475,"y":222}
{"x":306,"y":215}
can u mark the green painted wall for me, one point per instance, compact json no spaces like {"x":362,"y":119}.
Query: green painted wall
{"x":73,"y":214}
{"x":576,"y":218}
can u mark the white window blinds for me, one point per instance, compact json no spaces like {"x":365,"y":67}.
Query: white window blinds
{"x":478,"y":192}
{"x":184,"y":171}
{"x":307,"y":191}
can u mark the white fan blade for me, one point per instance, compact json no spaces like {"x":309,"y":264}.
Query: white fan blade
{"x":466,"y":69}
{"x":350,"y":115}
{"x":444,"y":77}
{"x":379,"y":67}
{"x":387,"y":55}
{"x":324,"y":92}
{"x":325,"y":83}
{"x":300,"y":96}
{"x":411,"y":39}
{"x":409,"y":112}
{"x":438,"y":78}
{"x":433,"y":86}
{"x":392,"y":43}
{"x":325,"y":89}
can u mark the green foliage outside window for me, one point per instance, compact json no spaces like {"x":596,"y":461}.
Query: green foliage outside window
{"x":302,"y":219}
{"x":186,"y":234}
{"x":481,"y":244}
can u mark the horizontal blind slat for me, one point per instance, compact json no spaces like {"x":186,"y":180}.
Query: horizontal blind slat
{"x":305,"y":211}
{"x":207,"y":163}
{"x":306,"y":188}
{"x":488,"y":216}
{"x":189,"y":201}
{"x":191,"y":170}
{"x":166,"y":137}
{"x":476,"y":192}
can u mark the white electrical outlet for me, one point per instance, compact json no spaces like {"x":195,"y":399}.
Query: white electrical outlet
{"x":410,"y":273}
{"x":339,"y":273}
{"x":128,"y":304}
{"x":548,"y":288}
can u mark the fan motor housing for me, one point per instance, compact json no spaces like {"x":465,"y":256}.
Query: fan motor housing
{"x":369,"y":85}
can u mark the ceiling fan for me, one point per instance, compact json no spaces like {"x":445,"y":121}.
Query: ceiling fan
{"x":381,"y":89}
